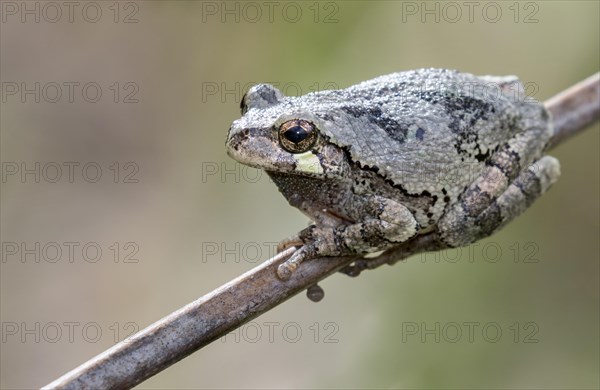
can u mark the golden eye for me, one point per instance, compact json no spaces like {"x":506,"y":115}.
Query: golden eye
{"x":297,"y":135}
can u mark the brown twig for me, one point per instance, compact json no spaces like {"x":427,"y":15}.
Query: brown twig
{"x":574,"y":109}
{"x":190,"y":328}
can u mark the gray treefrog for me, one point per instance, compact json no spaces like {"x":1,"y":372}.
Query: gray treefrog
{"x":401,"y":155}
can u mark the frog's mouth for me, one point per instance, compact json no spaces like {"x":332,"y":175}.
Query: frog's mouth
{"x":258,"y":148}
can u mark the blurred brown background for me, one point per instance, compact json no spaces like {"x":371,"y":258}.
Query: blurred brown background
{"x":174,"y":217}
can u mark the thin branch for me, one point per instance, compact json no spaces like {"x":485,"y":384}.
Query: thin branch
{"x":195,"y":325}
{"x":214,"y":315}
{"x":574,"y":109}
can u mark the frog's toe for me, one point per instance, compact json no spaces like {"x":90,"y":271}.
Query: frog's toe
{"x":285,"y":270}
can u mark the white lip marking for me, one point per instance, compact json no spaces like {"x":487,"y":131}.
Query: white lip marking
{"x":308,"y":162}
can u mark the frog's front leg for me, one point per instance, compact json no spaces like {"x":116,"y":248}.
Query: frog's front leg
{"x":388,"y":223}
{"x":491,"y":202}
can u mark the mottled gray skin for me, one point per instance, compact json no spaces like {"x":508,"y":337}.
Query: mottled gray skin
{"x":430,"y":150}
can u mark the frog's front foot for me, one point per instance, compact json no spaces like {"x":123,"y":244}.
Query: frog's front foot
{"x":314,"y":242}
{"x":286,"y":269}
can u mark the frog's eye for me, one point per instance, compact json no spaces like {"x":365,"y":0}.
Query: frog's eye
{"x":297,"y":135}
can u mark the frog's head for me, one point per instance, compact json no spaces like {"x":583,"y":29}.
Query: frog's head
{"x":283,"y":134}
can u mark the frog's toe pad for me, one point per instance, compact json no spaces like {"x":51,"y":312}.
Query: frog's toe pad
{"x":285,"y":270}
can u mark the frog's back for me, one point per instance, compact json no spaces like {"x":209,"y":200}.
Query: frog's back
{"x":413,"y":125}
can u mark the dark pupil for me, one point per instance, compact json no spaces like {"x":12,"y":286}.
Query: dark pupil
{"x":295,"y":134}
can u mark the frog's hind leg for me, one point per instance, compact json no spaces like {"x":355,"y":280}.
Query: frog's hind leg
{"x":459,"y":225}
{"x":494,"y":200}
{"x":519,"y":195}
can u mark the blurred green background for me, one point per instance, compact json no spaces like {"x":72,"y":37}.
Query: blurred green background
{"x":518,"y":310}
